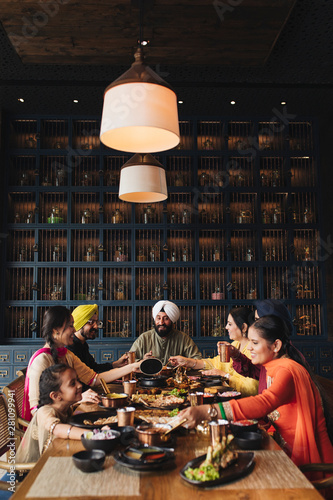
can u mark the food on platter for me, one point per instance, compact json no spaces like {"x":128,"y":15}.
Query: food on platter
{"x":101,"y":421}
{"x":156,"y":416}
{"x":158,"y":401}
{"x":218,"y":458}
{"x":229,"y":394}
{"x":100,"y":434}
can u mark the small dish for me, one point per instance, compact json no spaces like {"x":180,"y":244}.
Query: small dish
{"x":249,"y":441}
{"x":106,"y":445}
{"x":227,"y":395}
{"x":89,"y":461}
{"x":241,"y":426}
{"x":114,"y":401}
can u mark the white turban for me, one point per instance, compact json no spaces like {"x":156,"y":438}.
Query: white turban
{"x":170,"y":309}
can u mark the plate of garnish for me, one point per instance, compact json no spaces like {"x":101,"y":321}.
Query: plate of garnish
{"x":220,"y":465}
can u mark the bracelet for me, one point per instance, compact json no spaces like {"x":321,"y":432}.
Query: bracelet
{"x":195,"y":364}
{"x":223,"y":415}
{"x":69,"y":430}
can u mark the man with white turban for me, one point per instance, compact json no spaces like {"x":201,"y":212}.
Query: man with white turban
{"x":86,"y":326}
{"x":164,"y":340}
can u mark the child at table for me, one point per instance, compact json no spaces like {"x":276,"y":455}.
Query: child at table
{"x":59,"y":389}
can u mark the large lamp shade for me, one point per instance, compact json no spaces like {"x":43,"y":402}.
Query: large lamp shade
{"x":142,"y":180}
{"x":140,"y":111}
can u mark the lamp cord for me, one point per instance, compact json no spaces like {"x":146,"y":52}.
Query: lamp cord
{"x":141,"y":22}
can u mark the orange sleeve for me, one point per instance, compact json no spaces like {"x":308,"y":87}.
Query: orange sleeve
{"x":281,"y":392}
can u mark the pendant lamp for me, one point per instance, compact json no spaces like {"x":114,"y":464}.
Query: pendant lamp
{"x":140,"y":111}
{"x":143,"y":180}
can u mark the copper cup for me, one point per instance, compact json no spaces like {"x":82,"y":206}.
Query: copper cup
{"x":125,"y":416}
{"x":218,"y":429}
{"x":224,"y":353}
{"x":129,"y":387}
{"x":196,"y":398}
{"x":131,"y":357}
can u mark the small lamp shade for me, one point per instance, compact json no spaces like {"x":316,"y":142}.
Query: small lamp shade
{"x":143,"y":180}
{"x":140,"y":112}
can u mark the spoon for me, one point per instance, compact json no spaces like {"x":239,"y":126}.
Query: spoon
{"x":164,"y":437}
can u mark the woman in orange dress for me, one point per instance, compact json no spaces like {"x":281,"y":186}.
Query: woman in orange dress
{"x":291,"y":401}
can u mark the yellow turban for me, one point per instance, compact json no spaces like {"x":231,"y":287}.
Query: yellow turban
{"x":82,"y":314}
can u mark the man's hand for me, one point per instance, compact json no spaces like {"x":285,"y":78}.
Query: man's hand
{"x":122,"y":361}
{"x":178,"y":360}
{"x":148,"y":355}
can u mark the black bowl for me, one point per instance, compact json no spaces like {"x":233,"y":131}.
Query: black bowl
{"x":249,"y":441}
{"x":106,"y":445}
{"x":127,"y":434}
{"x":89,"y":461}
{"x":243,"y":426}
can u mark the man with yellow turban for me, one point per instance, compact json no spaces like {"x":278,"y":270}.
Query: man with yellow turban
{"x":164,"y":340}
{"x":86,"y":326}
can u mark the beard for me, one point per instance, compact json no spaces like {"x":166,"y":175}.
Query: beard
{"x":162,"y":331}
{"x":91,"y":335}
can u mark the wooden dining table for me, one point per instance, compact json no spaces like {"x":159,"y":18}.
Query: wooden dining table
{"x":274,"y":476}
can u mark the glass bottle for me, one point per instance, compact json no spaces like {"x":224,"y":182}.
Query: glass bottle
{"x":56,"y":293}
{"x":126,"y":331}
{"x":265,"y":217}
{"x":185,"y":254}
{"x":216,"y":254}
{"x":208,"y":145}
{"x":276,"y":217}
{"x":157,"y":292}
{"x":119,"y":254}
{"x":307,"y":253}
{"x":31,"y":142}
{"x":120,"y":292}
{"x":91,"y":295}
{"x":173,"y":218}
{"x":60,"y":175}
{"x":24,"y":179}
{"x":86,"y":217}
{"x":185,"y":291}
{"x":56,"y":253}
{"x":17,"y":218}
{"x":142,"y":257}
{"x":149,"y":214}
{"x":186,"y":216}
{"x":55,"y":216}
{"x":217,"y":330}
{"x":204,"y":179}
{"x":23,"y":254}
{"x":30,"y":217}
{"x":307,"y":215}
{"x":90,"y":254}
{"x":86,"y":178}
{"x":179,"y":179}
{"x":154,"y":253}
{"x":117,"y":217}
{"x":173,"y":256}
{"x":249,"y":255}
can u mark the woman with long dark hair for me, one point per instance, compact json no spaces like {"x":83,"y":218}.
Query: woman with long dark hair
{"x":291,"y":401}
{"x":238,"y":322}
{"x":58,"y":332}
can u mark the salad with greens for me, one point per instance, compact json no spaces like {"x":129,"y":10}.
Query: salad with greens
{"x":217,"y":459}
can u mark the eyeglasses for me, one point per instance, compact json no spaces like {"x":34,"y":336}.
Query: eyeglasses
{"x":99,"y":323}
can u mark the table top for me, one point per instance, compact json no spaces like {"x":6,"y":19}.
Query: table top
{"x":274,"y":476}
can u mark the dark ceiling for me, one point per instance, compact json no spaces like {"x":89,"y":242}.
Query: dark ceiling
{"x":251,"y":56}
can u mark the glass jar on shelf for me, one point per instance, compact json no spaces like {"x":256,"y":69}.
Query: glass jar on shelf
{"x":179,"y":179}
{"x":21,"y":325}
{"x":276,"y":215}
{"x":91,"y":295}
{"x":24,"y":179}
{"x":217,"y":294}
{"x":307,"y":215}
{"x":86,"y":178}
{"x":252,"y":294}
{"x":126,"y":330}
{"x":55,"y":216}
{"x":17,"y":218}
{"x":157,"y":294}
{"x":60,"y":177}
{"x":23,"y":253}
{"x":219,"y":179}
{"x":217,"y":327}
{"x":204,"y":179}
{"x":30,"y":142}
{"x":154,"y":253}
{"x":86,"y":216}
{"x":265,"y":218}
{"x":249,"y":255}
{"x":244,"y":217}
{"x":57,"y":145}
{"x":186,"y":216}
{"x":173,"y":218}
{"x":173,"y":256}
{"x":216,"y":254}
{"x":29,"y":217}
{"x":185,"y":254}
{"x":90,"y":255}
{"x":56,"y":293}
{"x":141,"y":255}
{"x":56,"y":252}
{"x":307,"y":255}
{"x":239,"y":178}
{"x":264,"y":179}
{"x":276,"y":177}
{"x":119,"y":255}
{"x":117,"y":216}
{"x":149,"y":214}
{"x":46,"y":181}
{"x":120,"y":291}
{"x":208,"y":145}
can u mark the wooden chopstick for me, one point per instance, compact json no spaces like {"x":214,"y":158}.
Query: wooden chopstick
{"x":105,"y":387}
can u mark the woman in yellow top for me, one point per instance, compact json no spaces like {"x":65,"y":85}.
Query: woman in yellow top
{"x":239,"y":320}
